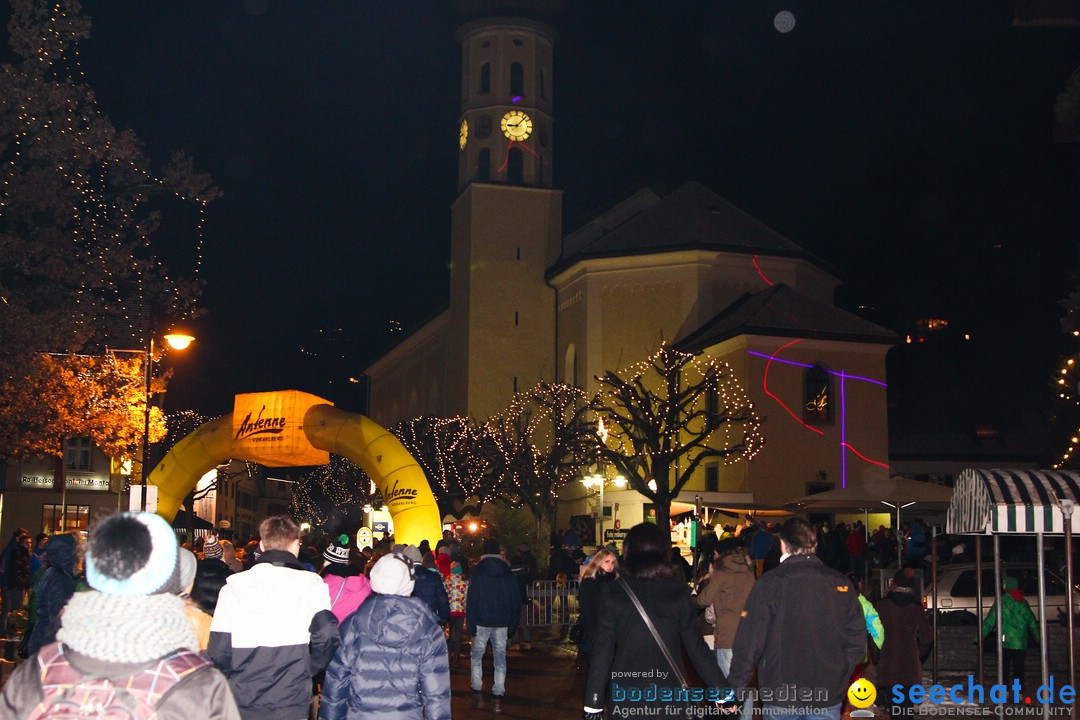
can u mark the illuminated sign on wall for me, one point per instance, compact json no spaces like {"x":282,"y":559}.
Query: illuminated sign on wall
{"x":73,"y":482}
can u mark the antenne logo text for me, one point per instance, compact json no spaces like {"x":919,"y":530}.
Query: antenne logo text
{"x":260,"y":426}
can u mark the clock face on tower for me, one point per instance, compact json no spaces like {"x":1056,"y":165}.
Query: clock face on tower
{"x":463,"y":134}
{"x":516,"y":125}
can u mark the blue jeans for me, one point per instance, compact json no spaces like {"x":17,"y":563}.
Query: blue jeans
{"x":723,"y":659}
{"x":497,"y":636}
{"x":774,"y":712}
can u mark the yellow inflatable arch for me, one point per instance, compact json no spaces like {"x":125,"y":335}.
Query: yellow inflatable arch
{"x":379,"y":453}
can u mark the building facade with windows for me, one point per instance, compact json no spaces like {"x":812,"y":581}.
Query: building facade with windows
{"x":528,"y":302}
{"x":34,"y":497}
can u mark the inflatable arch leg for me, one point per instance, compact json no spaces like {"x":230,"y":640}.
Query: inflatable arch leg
{"x":374,"y":449}
{"x":381,"y":455}
{"x":188,"y":460}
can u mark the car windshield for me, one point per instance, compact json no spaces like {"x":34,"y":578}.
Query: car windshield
{"x":1028,"y":577}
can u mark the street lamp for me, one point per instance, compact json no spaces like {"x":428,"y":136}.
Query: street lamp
{"x":598,"y":479}
{"x":177,"y":341}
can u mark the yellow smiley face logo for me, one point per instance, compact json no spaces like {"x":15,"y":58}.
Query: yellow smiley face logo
{"x":862,"y":693}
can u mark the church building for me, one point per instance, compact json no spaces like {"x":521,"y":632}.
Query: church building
{"x":688,"y":268}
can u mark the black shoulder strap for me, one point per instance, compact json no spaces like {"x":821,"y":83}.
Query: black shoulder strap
{"x":655,"y":634}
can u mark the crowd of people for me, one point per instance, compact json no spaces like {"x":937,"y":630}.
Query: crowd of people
{"x":281,"y":629}
{"x":278,"y":629}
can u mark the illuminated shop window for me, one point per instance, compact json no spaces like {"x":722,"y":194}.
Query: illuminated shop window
{"x":58,"y":519}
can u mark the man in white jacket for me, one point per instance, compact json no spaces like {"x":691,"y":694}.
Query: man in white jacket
{"x":273,"y":628}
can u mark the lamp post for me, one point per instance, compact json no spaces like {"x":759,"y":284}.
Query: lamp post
{"x":177,"y":341}
{"x":598,"y":479}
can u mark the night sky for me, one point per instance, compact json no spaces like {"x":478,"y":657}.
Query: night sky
{"x":906,"y":143}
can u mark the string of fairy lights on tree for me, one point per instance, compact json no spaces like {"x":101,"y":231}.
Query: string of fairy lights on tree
{"x":674,"y":368}
{"x":670,"y":412}
{"x":538,"y":445}
{"x":68,"y":157}
{"x":1068,"y":390}
{"x":447,"y":450}
{"x":326,"y":491}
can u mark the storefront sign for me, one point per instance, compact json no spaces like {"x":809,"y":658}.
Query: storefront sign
{"x":86,"y":483}
{"x":269,"y":428}
{"x":381,"y":526}
{"x":614,"y":535}
{"x":36,"y":481}
{"x":73,"y":482}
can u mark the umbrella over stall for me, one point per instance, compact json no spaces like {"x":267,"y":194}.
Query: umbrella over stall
{"x":868,"y":494}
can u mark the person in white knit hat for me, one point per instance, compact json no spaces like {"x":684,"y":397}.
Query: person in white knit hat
{"x":392,"y":660}
{"x":129,"y":631}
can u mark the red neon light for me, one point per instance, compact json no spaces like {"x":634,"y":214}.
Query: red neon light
{"x":506,"y":158}
{"x":759,"y":272}
{"x":873,"y":462}
{"x":765,"y":387}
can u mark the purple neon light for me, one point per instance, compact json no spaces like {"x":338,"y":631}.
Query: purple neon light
{"x":806,"y":365}
{"x":516,"y":98}
{"x":843,"y":434}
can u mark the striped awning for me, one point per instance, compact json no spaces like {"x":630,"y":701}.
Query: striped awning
{"x":1012,"y":501}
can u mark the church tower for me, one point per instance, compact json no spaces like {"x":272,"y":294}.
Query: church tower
{"x":507,"y":220}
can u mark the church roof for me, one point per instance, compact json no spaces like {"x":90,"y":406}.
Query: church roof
{"x":691,"y":217}
{"x":782,"y":311}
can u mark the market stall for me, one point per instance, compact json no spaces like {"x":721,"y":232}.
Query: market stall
{"x":1031,"y":502}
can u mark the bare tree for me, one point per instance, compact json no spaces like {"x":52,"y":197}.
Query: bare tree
{"x":81,"y":202}
{"x":446,"y":449}
{"x":537,"y":445}
{"x":660,"y":420}
{"x":334,"y":494}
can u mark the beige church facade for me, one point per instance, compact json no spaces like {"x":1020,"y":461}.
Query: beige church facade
{"x":690,"y":269}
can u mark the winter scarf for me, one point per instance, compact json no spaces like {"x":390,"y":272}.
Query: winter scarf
{"x":125,"y":629}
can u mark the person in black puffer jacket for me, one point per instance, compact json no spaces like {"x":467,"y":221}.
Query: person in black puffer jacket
{"x":391,"y":663}
{"x":53,"y":590}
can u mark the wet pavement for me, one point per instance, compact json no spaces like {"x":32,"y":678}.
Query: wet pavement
{"x":541,"y":683}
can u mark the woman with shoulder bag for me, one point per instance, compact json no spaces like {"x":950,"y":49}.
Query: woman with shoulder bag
{"x":637,"y":647}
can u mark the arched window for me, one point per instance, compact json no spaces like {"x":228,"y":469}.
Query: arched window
{"x":818,"y":396}
{"x":517,"y":79}
{"x":485,"y":78}
{"x":515,"y":167}
{"x":483,"y":165}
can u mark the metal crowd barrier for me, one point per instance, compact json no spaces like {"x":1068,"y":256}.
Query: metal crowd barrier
{"x":552,"y":603}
